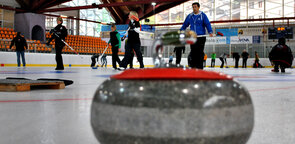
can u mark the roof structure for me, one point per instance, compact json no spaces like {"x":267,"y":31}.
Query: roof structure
{"x":119,"y":9}
{"x":144,"y":8}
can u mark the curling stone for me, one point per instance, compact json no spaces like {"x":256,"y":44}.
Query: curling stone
{"x":171,"y":106}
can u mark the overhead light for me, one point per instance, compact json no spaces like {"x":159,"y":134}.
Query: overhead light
{"x":153,"y":3}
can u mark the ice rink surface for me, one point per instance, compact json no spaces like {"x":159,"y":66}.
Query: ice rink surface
{"x":45,"y":116}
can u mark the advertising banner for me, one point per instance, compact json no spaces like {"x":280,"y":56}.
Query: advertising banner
{"x":241,"y":40}
{"x":256,"y":39}
{"x":215,"y":40}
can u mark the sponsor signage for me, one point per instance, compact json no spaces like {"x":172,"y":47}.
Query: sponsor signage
{"x":241,"y":40}
{"x":256,"y":39}
{"x":215,"y":40}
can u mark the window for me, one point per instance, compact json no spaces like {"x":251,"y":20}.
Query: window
{"x":89,"y":28}
{"x":177,"y":14}
{"x":251,"y":5}
{"x":274,"y":9}
{"x":222,"y":9}
{"x":260,"y":4}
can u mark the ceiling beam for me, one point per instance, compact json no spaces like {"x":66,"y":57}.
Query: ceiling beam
{"x":116,"y":4}
{"x":22,"y":4}
{"x":52,"y":3}
{"x":38,"y":4}
{"x":113,"y":13}
{"x":11,"y":8}
{"x":67,"y":9}
{"x":77,"y":19}
{"x":137,"y":3}
{"x":149,"y":12}
{"x":119,"y":13}
{"x":116,"y":10}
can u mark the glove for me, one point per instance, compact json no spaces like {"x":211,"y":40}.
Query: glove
{"x":123,"y":38}
{"x":52,"y":31}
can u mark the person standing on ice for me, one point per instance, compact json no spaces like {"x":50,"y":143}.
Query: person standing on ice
{"x":198,"y":21}
{"x":213,"y":57}
{"x":178,"y":52}
{"x":281,"y":56}
{"x":20,"y":44}
{"x":103,"y":60}
{"x":59,"y":33}
{"x":115,"y":41}
{"x":133,"y":43}
{"x":245,"y":56}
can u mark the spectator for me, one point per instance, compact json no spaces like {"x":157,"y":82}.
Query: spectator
{"x":204,"y":61}
{"x":222,"y":59}
{"x":236,"y":58}
{"x":245,"y":56}
{"x":213,"y":57}
{"x":20,"y":44}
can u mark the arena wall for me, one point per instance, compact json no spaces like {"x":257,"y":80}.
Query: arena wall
{"x":48,"y":60}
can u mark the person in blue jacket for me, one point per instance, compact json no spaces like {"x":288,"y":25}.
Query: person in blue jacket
{"x":198,"y":21}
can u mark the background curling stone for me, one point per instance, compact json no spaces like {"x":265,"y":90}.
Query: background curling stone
{"x":171,"y":106}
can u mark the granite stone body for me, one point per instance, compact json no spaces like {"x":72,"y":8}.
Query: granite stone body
{"x":172,"y":112}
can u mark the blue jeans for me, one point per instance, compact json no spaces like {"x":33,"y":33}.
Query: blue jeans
{"x":18,"y":54}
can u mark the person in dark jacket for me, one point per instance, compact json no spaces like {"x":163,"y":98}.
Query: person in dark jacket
{"x":236,"y":58}
{"x":281,"y":56}
{"x":245,"y":56}
{"x":133,"y":43}
{"x":95,"y":56}
{"x":222,"y":59}
{"x":115,"y":41}
{"x":20,"y":44}
{"x":59,"y":33}
{"x":198,"y":21}
{"x":178,"y":52}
